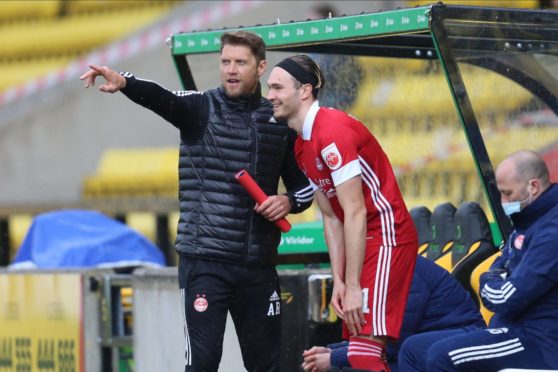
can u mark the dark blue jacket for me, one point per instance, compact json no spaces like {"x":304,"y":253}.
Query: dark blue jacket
{"x":436,"y":301}
{"x":521,"y":287}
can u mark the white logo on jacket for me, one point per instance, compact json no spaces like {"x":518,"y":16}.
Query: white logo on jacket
{"x":274,"y":305}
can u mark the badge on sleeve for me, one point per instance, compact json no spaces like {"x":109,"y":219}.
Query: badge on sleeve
{"x":518,"y":242}
{"x":332,"y":156}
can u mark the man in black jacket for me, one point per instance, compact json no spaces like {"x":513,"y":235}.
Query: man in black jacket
{"x":227,"y":247}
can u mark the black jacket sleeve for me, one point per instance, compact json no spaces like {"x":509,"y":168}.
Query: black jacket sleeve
{"x":299,"y":191}
{"x":186,"y":110}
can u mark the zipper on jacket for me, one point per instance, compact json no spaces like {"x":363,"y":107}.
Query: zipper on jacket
{"x":252,"y":171}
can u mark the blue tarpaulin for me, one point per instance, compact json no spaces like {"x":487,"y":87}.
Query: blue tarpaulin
{"x":83,"y":238}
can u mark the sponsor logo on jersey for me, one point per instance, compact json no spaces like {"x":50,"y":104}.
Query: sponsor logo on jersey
{"x":330,"y":193}
{"x":326,"y":186}
{"x":200,"y":303}
{"x":322,"y":183}
{"x":518,"y":242}
{"x":332,"y":156}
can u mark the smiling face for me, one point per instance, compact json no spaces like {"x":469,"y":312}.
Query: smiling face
{"x":240,"y":72}
{"x":284,"y":94}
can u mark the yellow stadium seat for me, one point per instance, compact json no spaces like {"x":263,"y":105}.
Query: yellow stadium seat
{"x":104,"y":6}
{"x":468,"y":271}
{"x":422,"y":250}
{"x":442,"y":224}
{"x":173,"y":223}
{"x":420,"y":95}
{"x":70,"y":36}
{"x":445,"y":259}
{"x":475,"y":283}
{"x":144,"y":223}
{"x":17,"y":73}
{"x":17,"y":230}
{"x":39,"y":37}
{"x":17,"y":10}
{"x":421,"y":219}
{"x":134,"y":173}
{"x":472,"y":231}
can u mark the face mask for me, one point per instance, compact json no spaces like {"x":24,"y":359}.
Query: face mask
{"x":515,"y":206}
{"x":511,"y":207}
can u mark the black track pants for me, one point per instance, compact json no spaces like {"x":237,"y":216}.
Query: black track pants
{"x":208,"y":291}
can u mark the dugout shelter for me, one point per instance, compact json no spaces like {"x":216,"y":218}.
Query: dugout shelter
{"x":448,"y":90}
{"x":499,"y":65}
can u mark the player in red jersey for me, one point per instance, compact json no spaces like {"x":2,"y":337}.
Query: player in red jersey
{"x":370,"y":235}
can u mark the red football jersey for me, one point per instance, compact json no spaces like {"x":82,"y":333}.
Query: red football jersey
{"x":335,"y":147}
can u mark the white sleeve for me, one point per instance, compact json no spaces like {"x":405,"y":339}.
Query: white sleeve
{"x":346,"y":172}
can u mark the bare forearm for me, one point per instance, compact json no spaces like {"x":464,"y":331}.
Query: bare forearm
{"x":355,"y":242}
{"x":333,"y":231}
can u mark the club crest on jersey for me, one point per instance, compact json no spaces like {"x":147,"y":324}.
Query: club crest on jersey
{"x":319,"y":164}
{"x":332,"y":156}
{"x":200,"y":303}
{"x":518,"y":242}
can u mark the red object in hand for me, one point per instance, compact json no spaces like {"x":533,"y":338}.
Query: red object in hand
{"x":244,"y":178}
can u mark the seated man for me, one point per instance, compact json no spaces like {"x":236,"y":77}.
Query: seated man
{"x":521,"y":286}
{"x":436,"y":301}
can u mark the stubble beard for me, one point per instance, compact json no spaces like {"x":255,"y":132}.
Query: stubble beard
{"x":242,"y":90}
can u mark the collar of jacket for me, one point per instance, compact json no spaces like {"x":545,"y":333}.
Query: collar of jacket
{"x":544,"y":203}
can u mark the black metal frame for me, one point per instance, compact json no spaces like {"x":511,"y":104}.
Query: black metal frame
{"x":469,"y":121}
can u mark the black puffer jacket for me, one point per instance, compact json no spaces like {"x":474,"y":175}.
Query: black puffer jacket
{"x":219,"y":137}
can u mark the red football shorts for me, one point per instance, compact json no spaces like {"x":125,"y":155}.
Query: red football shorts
{"x":386,"y":277}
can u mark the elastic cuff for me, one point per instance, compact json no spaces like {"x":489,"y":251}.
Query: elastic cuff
{"x":292,"y":201}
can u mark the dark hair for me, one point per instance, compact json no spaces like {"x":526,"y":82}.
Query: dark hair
{"x":312,"y":68}
{"x":249,"y":39}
